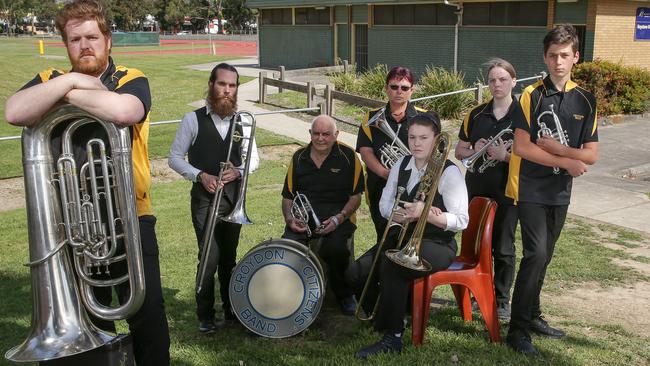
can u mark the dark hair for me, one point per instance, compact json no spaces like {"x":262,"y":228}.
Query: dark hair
{"x":82,"y":10}
{"x":427,"y":119}
{"x":562,"y":34}
{"x":400,"y":72}
{"x":223,"y":66}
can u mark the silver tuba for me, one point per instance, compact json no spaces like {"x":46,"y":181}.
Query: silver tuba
{"x":470,"y":161}
{"x":389,"y":153}
{"x":238,"y":214}
{"x":302,"y":210}
{"x":63,"y":213}
{"x":560,"y":135}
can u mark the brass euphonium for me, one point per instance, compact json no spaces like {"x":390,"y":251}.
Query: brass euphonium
{"x":409,"y":255}
{"x":94,"y":217}
{"x":238,"y":214}
{"x":389,"y":153}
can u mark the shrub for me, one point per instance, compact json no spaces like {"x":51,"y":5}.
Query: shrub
{"x":437,"y":80}
{"x":618,"y":88}
{"x":372,"y":81}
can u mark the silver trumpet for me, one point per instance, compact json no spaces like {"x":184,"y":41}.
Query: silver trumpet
{"x":560,"y":135}
{"x":238,"y":214}
{"x":389,"y":153}
{"x":302,"y":210}
{"x":93,"y":217}
{"x":470,"y":161}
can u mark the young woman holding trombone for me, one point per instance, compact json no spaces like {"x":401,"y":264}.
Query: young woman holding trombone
{"x":427,"y":188}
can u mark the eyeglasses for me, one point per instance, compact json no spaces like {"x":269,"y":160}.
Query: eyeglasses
{"x":404,"y":88}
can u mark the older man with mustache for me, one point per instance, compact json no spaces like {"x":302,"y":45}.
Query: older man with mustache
{"x":204,"y":136}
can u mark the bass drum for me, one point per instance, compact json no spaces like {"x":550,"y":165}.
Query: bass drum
{"x":277,"y":289}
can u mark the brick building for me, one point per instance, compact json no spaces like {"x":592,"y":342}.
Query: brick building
{"x":454,"y":33}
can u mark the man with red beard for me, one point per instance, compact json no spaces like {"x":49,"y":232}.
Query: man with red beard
{"x":204,"y":136}
{"x":120,"y":95}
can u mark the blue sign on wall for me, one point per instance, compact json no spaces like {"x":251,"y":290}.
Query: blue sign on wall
{"x":642,"y":29}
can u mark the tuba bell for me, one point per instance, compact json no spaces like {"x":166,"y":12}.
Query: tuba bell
{"x":389,"y":153}
{"x":91,"y":216}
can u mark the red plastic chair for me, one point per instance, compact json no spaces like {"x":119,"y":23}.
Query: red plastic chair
{"x":470,"y":272}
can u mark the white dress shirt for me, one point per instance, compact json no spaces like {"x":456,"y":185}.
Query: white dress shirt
{"x":451,"y":187}
{"x":186,"y":135}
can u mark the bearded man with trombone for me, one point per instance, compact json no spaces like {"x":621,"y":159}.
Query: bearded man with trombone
{"x":428,"y":189}
{"x":113,"y":96}
{"x":325,"y":179}
{"x":219,"y":144}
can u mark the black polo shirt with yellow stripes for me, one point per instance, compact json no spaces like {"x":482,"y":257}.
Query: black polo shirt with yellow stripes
{"x":576,"y":109}
{"x":375,"y":138}
{"x":329,"y":187}
{"x":121,"y":80}
{"x":480,"y":123}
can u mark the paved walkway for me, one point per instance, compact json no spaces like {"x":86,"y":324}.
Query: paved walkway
{"x":603,"y":194}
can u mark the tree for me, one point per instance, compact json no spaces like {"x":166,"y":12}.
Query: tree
{"x":12,"y":11}
{"x":45,"y":11}
{"x":129,"y":15}
{"x":238,"y":15}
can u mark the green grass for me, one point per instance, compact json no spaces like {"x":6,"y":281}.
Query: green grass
{"x":173,"y":87}
{"x":333,"y":338}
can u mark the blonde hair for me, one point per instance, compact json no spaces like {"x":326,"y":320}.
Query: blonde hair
{"x":499,"y":62}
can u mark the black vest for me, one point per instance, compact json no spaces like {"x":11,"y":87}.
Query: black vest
{"x":209,"y":150}
{"x":430,"y":231}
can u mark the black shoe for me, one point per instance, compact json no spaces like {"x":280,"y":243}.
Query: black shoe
{"x":541,"y":327}
{"x":388,"y":344}
{"x":520,"y":342}
{"x":207,"y":326}
{"x":348,"y":305}
{"x":503,"y":311}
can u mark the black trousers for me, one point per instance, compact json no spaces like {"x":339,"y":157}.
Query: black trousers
{"x":374,"y":195}
{"x":334,"y":252}
{"x":224,"y":246}
{"x":148,"y":326}
{"x":395,"y":284}
{"x":540,"y":228}
{"x":503,"y":251}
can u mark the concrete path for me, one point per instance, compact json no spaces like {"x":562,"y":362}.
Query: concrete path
{"x":615,"y":190}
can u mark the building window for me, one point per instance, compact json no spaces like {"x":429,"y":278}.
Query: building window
{"x":414,"y":14}
{"x":313,"y":16}
{"x":276,"y":16}
{"x":513,"y":13}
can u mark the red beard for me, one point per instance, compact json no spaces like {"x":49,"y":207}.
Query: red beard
{"x":93,"y":67}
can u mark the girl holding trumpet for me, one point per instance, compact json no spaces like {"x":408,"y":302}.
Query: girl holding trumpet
{"x":447,"y":215}
{"x":485,"y":139}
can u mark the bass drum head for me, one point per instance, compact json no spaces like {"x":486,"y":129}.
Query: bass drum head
{"x":277,"y":289}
